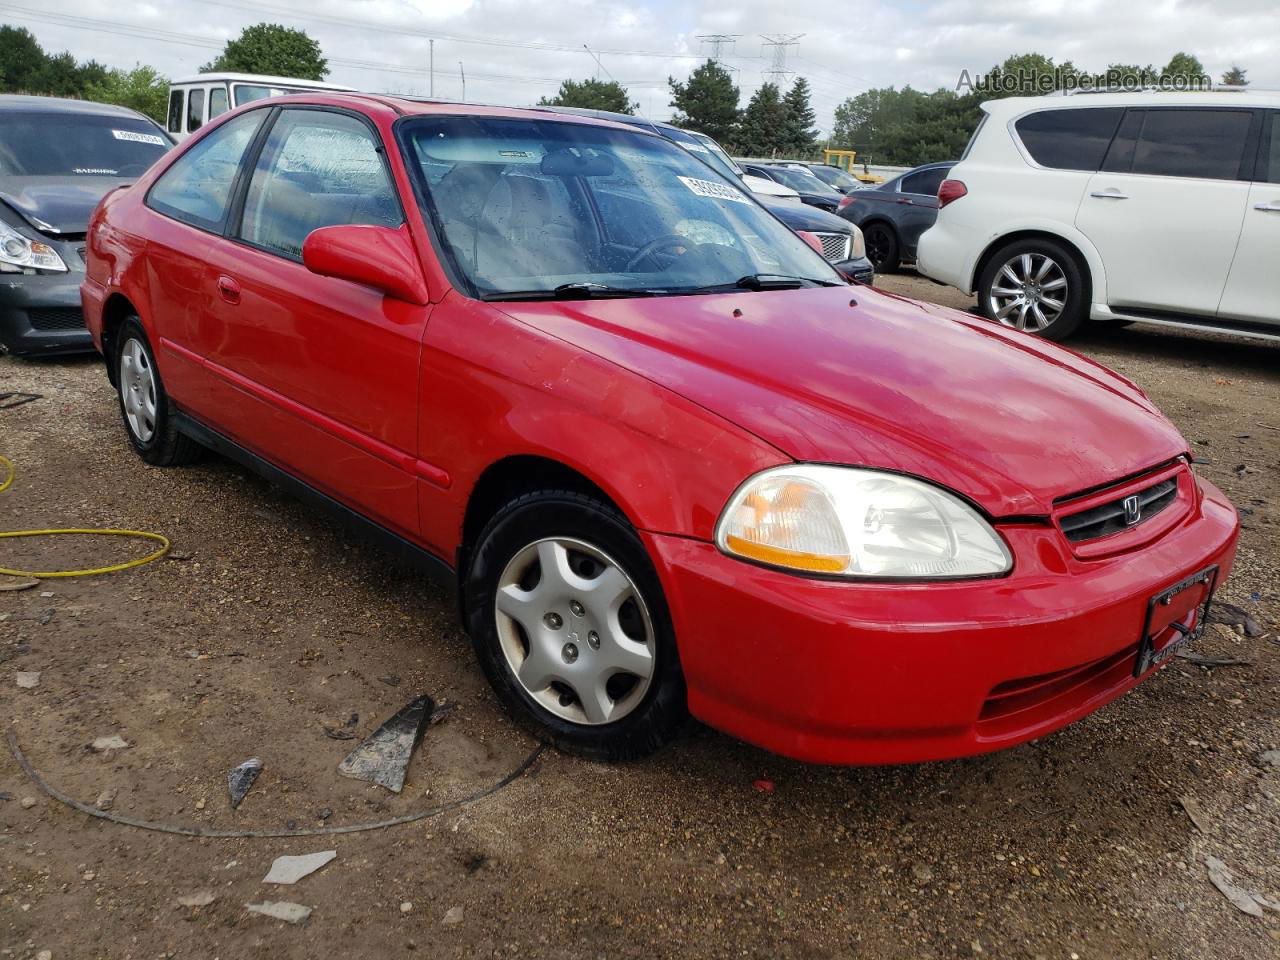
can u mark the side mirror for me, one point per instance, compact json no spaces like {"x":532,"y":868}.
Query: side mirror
{"x":378,"y":257}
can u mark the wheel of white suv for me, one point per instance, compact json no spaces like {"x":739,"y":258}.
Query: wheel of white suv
{"x":570,"y":625}
{"x":1035,"y":285}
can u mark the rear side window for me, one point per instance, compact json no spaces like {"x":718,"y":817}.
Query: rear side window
{"x":317,"y":169}
{"x":175,"y":111}
{"x":1206,"y":144}
{"x":1271,"y":150}
{"x":926,"y":182}
{"x":1069,"y":139}
{"x":197,"y":188}
{"x":195,"y":110}
{"x":217,"y":102}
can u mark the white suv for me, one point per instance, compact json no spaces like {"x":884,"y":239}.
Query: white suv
{"x":1155,"y":207}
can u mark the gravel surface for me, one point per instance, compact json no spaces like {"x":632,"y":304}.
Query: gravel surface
{"x":270,"y":625}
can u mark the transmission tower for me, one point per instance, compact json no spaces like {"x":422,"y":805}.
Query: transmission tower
{"x":780,"y":44}
{"x":718,"y":43}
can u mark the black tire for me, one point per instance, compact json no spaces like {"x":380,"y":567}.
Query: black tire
{"x":883,"y":249}
{"x":661,"y":711}
{"x":1075,"y":303}
{"x":165,"y":446}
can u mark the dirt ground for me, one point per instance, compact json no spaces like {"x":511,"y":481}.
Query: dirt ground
{"x":270,"y":624}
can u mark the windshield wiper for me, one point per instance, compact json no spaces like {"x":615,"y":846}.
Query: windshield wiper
{"x":761,"y":281}
{"x":579,"y":290}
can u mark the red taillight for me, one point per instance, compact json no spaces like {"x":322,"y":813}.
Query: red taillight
{"x":847,"y":199}
{"x":950,"y":190}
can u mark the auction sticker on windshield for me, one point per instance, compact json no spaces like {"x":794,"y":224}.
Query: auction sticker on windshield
{"x":138,"y":137}
{"x":709,"y":188}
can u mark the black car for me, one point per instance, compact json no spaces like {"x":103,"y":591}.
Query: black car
{"x":894,"y":214}
{"x":58,"y":158}
{"x":812,"y":190}
{"x":840,"y":245}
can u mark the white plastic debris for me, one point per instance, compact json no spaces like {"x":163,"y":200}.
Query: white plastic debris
{"x":201,"y":898}
{"x":293,"y":869}
{"x":1246,"y":901}
{"x":28,"y":679}
{"x":113,"y":742}
{"x":280,"y":910}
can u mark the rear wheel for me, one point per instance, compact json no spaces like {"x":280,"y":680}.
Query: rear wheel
{"x":144,"y":406}
{"x":571,"y":627}
{"x":1037,"y":286}
{"x":882,"y":247}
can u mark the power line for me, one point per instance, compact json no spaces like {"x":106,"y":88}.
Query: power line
{"x":718,"y":42}
{"x":780,"y":45}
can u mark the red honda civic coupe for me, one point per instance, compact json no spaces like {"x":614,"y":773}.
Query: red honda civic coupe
{"x":670,"y":461}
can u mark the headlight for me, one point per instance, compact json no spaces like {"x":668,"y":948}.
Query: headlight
{"x":19,"y":251}
{"x":859,"y":248}
{"x":851,"y":522}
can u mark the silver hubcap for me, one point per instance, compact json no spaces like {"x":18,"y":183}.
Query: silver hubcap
{"x":1029,"y":292}
{"x":575,"y":631}
{"x":138,"y":390}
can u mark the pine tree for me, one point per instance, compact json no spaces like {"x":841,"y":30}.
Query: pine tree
{"x":706,"y":102}
{"x":799,"y":138}
{"x":762,"y":129}
{"x":21,"y":59}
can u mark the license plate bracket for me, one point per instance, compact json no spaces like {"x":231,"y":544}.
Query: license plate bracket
{"x":1148,"y":655}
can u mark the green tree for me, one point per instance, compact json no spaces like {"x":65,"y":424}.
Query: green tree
{"x":21,"y":59}
{"x":592,"y":94}
{"x":272,"y":49}
{"x":58,"y":76}
{"x":799,"y":138}
{"x":706,"y":102}
{"x":1132,"y":75}
{"x":761,"y":130}
{"x":141,"y":89}
{"x":1237,"y":76}
{"x":1184,"y":68}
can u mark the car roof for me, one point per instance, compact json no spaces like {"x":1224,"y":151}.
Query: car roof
{"x":1013,"y":106}
{"x":25,"y":104}
{"x":262,"y":78}
{"x":426,"y":106}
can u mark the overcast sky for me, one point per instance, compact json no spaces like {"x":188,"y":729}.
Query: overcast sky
{"x":515,"y":51}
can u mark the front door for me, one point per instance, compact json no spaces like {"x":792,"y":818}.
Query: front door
{"x":320,"y":374}
{"x":1253,"y":287}
{"x":1166,"y":209}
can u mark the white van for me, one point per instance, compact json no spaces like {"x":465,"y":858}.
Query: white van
{"x":193,"y":101}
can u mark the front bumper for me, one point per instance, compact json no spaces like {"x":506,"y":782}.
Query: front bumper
{"x":860,"y":268}
{"x":41,"y":314}
{"x":848,"y":673}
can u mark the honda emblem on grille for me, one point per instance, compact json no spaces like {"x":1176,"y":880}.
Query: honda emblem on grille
{"x":1132,"y":510}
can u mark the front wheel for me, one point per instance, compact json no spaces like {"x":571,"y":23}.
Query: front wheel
{"x":571,"y":628}
{"x":1037,"y":286}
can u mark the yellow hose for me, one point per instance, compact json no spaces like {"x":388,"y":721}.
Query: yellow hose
{"x":44,"y":574}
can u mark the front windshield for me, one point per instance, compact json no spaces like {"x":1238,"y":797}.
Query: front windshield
{"x":58,"y":144}
{"x":801,"y":180}
{"x":834,"y":177}
{"x":538,"y":206}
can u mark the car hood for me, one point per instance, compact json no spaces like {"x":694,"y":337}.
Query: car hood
{"x":57,"y":204}
{"x":767,"y":188}
{"x":800,"y":216}
{"x":854,"y":376}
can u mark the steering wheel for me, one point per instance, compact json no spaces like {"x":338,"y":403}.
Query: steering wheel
{"x":667,"y":240}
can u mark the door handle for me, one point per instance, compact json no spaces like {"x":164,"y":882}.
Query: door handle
{"x":1111,"y":194}
{"x":229,"y":289}
{"x":1268,"y":207}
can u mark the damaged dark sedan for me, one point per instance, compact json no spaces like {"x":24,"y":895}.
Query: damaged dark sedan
{"x":58,"y":158}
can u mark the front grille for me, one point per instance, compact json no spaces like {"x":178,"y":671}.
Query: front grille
{"x":1112,"y":517}
{"x":835,"y":246}
{"x":56,"y":318}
